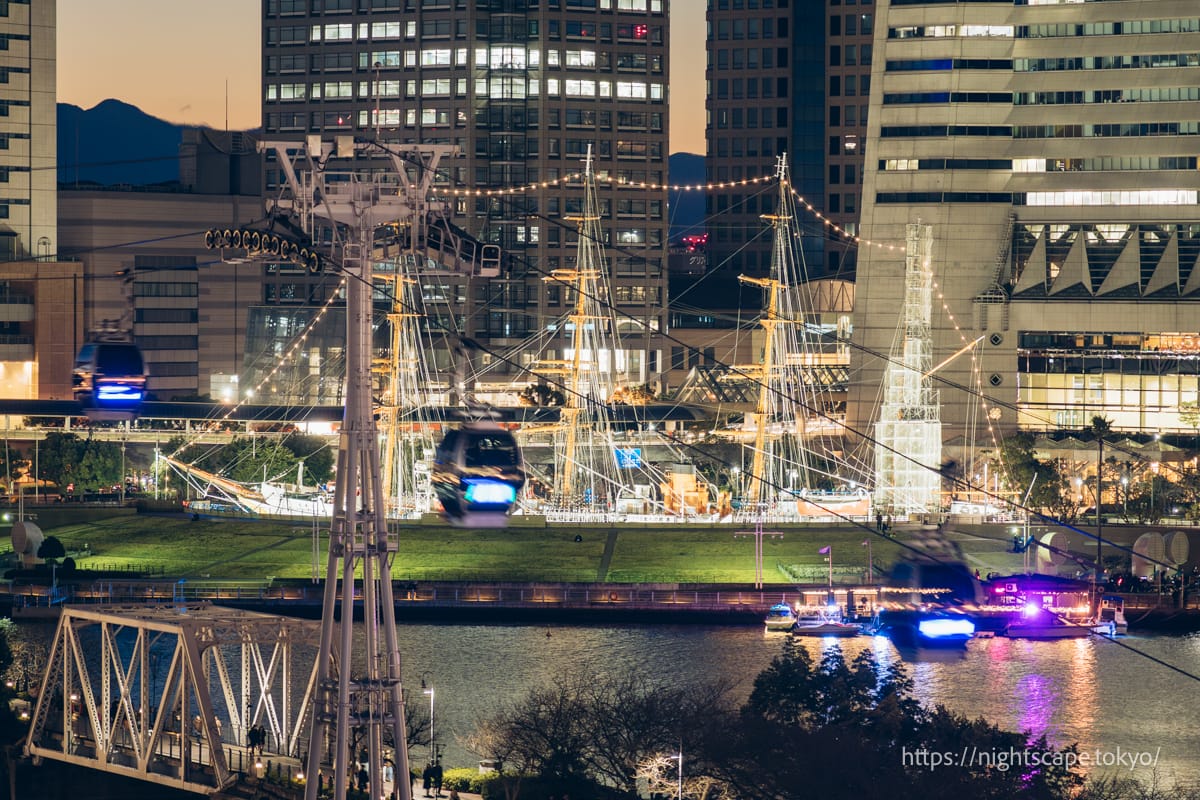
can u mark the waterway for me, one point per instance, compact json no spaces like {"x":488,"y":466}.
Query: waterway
{"x":1101,"y":694}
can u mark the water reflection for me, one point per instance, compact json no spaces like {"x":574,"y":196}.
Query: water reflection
{"x":1089,"y":691}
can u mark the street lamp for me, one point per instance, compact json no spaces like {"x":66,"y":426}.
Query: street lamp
{"x":432,"y":745}
{"x":678,"y":757}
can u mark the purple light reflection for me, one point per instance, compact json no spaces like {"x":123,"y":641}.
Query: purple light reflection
{"x":1035,"y":700}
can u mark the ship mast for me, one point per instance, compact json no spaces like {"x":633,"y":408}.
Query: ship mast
{"x":585,"y":460}
{"x":779,"y":458}
{"x":403,"y":422}
{"x":762,"y":408}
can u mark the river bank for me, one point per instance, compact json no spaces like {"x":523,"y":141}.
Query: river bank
{"x":515,"y":603}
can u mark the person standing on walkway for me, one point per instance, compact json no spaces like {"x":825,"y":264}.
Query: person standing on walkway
{"x":437,"y":779}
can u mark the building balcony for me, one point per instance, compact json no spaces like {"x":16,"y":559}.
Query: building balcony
{"x":16,"y":308}
{"x":16,"y":348}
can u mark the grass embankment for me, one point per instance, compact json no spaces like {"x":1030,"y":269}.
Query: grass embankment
{"x":178,"y":547}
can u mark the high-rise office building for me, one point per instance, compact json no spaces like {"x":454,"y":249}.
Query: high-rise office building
{"x":1051,"y":146}
{"x":27,"y":130}
{"x":525,"y":89}
{"x":38,"y":323}
{"x":786,"y":78}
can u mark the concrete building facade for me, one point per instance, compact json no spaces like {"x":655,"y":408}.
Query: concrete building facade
{"x":1052,"y":148}
{"x":143,"y":265}
{"x":38,"y":324}
{"x":28,"y":142}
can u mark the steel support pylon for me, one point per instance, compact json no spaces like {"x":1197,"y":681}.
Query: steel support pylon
{"x":360,"y":700}
{"x":363,"y":696}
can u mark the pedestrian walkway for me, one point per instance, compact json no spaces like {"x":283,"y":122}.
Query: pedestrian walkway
{"x":419,"y":793}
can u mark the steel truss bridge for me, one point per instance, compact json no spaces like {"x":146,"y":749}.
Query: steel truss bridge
{"x":169,"y":693}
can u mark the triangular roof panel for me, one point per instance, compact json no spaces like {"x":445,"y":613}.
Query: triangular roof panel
{"x":1126,"y":272}
{"x":1074,"y":273}
{"x":1166,"y":275}
{"x":1033,"y":277}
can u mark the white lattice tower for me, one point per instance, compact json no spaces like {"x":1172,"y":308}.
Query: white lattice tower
{"x":364,"y":693}
{"x":908,"y":434}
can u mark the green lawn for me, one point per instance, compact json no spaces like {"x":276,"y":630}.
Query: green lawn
{"x":178,"y":547}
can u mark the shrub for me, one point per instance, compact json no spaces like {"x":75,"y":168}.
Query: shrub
{"x":463,"y":779}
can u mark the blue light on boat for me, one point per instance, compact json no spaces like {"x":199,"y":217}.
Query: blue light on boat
{"x":489,"y":492}
{"x":117,"y":392}
{"x":941,"y":628}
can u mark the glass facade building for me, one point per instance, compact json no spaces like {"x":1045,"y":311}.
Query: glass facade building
{"x":525,"y":89}
{"x":786,"y":78}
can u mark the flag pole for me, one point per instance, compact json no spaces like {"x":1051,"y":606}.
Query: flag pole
{"x":831,"y":573}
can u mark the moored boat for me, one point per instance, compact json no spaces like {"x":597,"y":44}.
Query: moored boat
{"x":1110,"y":617}
{"x":1038,"y":623}
{"x":780,"y":617}
{"x":826,"y":622}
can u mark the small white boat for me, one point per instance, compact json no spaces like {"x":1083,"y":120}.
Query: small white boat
{"x":1110,"y":619}
{"x":827,"y":622}
{"x":780,"y":617}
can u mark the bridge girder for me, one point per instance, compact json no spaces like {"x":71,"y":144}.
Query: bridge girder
{"x":129,"y":690}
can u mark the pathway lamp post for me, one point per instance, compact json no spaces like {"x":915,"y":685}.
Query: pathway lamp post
{"x":432,"y":741}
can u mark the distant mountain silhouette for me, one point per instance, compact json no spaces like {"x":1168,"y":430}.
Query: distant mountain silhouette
{"x":115,"y":143}
{"x":687,"y":208}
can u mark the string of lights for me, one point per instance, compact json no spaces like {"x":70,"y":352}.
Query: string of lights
{"x":609,"y":179}
{"x":852,"y":238}
{"x":977,"y":378}
{"x":294,"y":347}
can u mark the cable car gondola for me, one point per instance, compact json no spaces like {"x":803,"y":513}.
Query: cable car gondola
{"x":477,"y":473}
{"x":109,"y":379}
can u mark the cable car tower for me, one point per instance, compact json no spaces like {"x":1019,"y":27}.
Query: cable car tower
{"x":359,"y":684}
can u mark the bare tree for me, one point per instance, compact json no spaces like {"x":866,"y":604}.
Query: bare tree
{"x":631,"y":718}
{"x":660,"y":773}
{"x":597,"y":730}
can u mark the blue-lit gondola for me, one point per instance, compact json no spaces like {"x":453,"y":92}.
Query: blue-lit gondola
{"x":925,"y":628}
{"x":478,"y":472}
{"x":109,"y":379}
